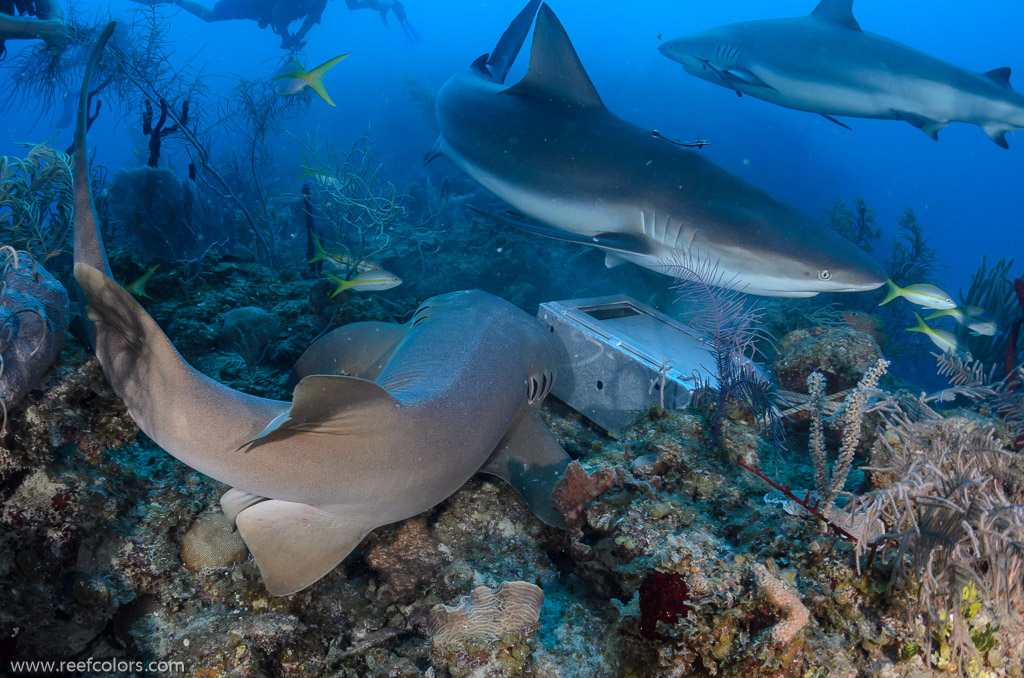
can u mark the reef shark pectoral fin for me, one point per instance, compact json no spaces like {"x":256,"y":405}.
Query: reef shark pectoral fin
{"x":330,"y":405}
{"x":927,"y":125}
{"x":530,"y":459}
{"x":614,"y":242}
{"x":234,"y":501}
{"x":294,"y":544}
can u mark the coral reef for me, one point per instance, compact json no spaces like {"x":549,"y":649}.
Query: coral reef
{"x":842,"y":354}
{"x":487,"y":634}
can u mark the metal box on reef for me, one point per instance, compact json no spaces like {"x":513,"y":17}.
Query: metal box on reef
{"x":620,"y":355}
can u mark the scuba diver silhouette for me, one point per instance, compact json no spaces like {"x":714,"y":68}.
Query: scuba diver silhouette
{"x":30,"y":20}
{"x":279,"y":14}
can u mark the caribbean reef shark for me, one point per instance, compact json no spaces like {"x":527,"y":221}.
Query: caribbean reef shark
{"x":824,"y":63}
{"x":548,"y":146}
{"x":452,"y":392}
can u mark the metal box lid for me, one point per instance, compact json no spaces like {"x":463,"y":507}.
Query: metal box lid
{"x":622,"y":356}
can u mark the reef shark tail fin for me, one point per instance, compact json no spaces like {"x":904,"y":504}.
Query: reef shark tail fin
{"x":315,"y":77}
{"x":555,"y":69}
{"x":530,"y":459}
{"x":294,"y":545}
{"x":332,"y":405}
{"x":500,"y":60}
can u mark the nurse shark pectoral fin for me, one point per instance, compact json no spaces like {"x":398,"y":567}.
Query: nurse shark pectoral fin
{"x":234,"y":501}
{"x":294,"y":544}
{"x":530,"y":459}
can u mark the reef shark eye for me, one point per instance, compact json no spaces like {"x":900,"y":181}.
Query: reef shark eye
{"x":825,"y":274}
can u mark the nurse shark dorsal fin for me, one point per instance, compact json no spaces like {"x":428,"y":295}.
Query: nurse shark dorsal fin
{"x":838,"y":12}
{"x":294,"y":544}
{"x":555,"y":69}
{"x":499,"y":61}
{"x":530,"y":459}
{"x":331,"y":405}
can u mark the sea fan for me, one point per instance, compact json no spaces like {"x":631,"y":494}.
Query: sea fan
{"x":731,"y":329}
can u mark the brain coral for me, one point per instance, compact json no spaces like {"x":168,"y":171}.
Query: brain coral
{"x":488,"y":614}
{"x":211,"y":542}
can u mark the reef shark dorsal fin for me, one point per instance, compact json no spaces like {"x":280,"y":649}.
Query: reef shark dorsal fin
{"x":331,"y":405}
{"x":555,"y":69}
{"x":497,"y":64}
{"x":839,"y":12}
{"x":530,"y":459}
{"x":294,"y":545}
{"x":1000,"y":76}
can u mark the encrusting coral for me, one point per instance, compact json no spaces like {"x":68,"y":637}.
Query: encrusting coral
{"x":794,"y":613}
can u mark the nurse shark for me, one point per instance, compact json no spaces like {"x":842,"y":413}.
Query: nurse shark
{"x":454,"y":391}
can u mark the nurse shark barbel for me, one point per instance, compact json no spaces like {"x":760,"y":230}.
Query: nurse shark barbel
{"x":824,"y":63}
{"x":454,"y":391}
{"x":548,"y":146}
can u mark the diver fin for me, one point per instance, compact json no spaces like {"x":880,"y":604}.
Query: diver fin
{"x":315,"y":77}
{"x":434,"y":152}
{"x":499,"y":61}
{"x":838,"y":122}
{"x":1000,"y":76}
{"x":532,"y":461}
{"x":358,"y":350}
{"x":997,"y":133}
{"x":929,"y":126}
{"x":555,"y":70}
{"x":838,"y":12}
{"x":331,"y":405}
{"x":234,"y":501}
{"x":294,"y":545}
{"x":611,"y":260}
{"x":616,"y":242}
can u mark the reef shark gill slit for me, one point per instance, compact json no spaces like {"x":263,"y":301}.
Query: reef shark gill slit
{"x":549,"y":148}
{"x":433,"y":401}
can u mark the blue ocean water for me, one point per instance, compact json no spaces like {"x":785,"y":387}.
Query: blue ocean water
{"x":964,"y":189}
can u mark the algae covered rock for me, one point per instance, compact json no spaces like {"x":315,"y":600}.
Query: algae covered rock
{"x":33,"y":322}
{"x":843,"y":354}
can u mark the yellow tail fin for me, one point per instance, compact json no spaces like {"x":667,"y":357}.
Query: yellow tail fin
{"x":894,"y":292}
{"x":315,"y":77}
